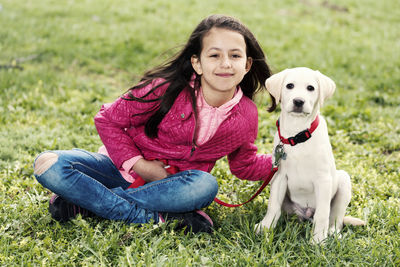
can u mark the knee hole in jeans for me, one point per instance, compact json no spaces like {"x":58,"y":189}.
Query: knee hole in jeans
{"x":44,"y":162}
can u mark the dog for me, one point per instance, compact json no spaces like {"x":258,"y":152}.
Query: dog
{"x":307,"y":182}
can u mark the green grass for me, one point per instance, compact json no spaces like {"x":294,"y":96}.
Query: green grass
{"x":79,"y":54}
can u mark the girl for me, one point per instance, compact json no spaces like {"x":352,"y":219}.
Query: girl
{"x":162,"y":138}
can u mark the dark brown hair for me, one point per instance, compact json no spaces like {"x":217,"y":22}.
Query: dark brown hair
{"x":178,"y":70}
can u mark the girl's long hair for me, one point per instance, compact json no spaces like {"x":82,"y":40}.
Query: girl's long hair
{"x":178,"y":71}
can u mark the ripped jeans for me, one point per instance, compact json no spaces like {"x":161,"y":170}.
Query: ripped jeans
{"x":91,"y":181}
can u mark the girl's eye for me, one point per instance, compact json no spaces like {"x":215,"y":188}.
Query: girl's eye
{"x":290,"y":86}
{"x":310,"y":88}
{"x":236,"y":56}
{"x":214,"y":55}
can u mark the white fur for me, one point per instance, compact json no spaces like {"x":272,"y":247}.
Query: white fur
{"x":307,"y":182}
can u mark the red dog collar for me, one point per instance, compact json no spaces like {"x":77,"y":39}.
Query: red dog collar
{"x":301,"y":136}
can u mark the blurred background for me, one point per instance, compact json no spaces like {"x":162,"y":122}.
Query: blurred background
{"x":61,"y":60}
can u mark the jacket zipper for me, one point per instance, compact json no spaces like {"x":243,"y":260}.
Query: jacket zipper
{"x":192,"y":150}
{"x":193,"y":137}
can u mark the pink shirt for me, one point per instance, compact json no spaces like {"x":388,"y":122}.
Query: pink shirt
{"x":210,"y":118}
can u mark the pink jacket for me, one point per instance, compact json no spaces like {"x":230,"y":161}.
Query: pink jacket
{"x":123,"y":135}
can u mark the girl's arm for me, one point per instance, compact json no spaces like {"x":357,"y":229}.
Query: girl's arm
{"x":244,"y":162}
{"x":113,"y":122}
{"x":150,"y":170}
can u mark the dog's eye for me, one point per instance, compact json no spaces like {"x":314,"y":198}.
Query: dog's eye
{"x":310,"y":88}
{"x":290,"y":86}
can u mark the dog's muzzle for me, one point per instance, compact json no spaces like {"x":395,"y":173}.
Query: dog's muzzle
{"x":298,"y":105}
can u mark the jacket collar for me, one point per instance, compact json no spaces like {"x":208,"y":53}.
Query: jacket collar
{"x":223,"y":109}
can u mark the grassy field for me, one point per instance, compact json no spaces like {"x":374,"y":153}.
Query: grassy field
{"x":60,"y":60}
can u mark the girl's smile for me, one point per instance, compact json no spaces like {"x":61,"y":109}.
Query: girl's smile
{"x":226,"y":75}
{"x":222,"y":64}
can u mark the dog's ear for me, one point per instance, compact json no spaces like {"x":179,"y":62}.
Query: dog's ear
{"x":326,"y":87}
{"x":274,"y":84}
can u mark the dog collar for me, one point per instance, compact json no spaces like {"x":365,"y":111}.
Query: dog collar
{"x":301,"y":136}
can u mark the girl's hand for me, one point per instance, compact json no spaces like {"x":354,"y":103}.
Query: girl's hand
{"x":150,"y":170}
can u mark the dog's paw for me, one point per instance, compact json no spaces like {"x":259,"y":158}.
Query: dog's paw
{"x":335,"y":231}
{"x":259,"y":228}
{"x":319,"y":239}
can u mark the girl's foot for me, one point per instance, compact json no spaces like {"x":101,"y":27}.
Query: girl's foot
{"x":195,"y":221}
{"x":62,"y":210}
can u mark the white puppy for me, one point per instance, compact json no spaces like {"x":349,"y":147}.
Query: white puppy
{"x":307,"y":182}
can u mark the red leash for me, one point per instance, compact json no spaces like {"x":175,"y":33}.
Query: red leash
{"x":266,"y":182}
{"x":172,"y":170}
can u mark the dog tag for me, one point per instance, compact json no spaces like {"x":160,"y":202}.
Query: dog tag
{"x":279,"y":154}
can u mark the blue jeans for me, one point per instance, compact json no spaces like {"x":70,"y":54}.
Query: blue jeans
{"x":91,"y":181}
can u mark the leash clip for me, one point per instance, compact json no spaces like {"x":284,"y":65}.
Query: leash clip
{"x":279,"y":154}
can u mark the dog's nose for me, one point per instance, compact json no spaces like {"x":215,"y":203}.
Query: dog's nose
{"x":298,"y":102}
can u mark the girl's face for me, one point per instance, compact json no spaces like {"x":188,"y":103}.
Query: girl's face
{"x":222,"y":64}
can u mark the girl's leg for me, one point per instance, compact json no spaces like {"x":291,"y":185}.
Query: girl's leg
{"x":182,"y":192}
{"x":176,"y":197}
{"x":85,"y":179}
{"x":91,"y":180}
